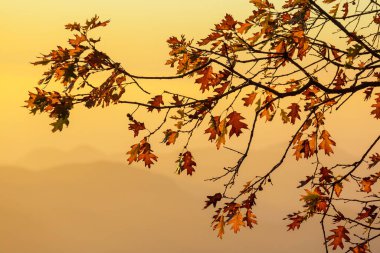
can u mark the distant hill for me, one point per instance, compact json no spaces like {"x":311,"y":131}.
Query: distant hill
{"x":47,"y":157}
{"x":82,"y":204}
{"x":108,"y":207}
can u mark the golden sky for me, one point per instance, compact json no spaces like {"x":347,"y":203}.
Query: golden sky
{"x":137,"y":38}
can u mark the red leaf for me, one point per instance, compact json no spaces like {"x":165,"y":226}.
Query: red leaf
{"x":235,"y":123}
{"x":294,"y":112}
{"x":155,"y":102}
{"x":206,"y":79}
{"x":340,"y":233}
{"x":367,"y":212}
{"x":186,"y":162}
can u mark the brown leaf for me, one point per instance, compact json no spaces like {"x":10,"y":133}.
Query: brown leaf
{"x":345,"y":10}
{"x":213,"y":200}
{"x":376,"y":105}
{"x":136,"y":127}
{"x":375,"y":159}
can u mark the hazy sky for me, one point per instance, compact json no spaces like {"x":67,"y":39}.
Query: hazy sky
{"x":137,"y":38}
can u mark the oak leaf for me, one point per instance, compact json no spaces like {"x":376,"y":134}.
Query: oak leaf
{"x":236,"y":123}
{"x":220,"y":226}
{"x":206,"y":79}
{"x":236,"y":222}
{"x":170,"y":137}
{"x":250,"y":218}
{"x":294,"y":112}
{"x":228,"y":23}
{"x":249,"y":99}
{"x":366,"y":184}
{"x":155,"y":103}
{"x":361,"y":248}
{"x":186,"y":162}
{"x":375,"y":159}
{"x":296,"y":221}
{"x":368,"y":212}
{"x":376,"y":111}
{"x":213,"y":200}
{"x":326,"y":142}
{"x":340,"y":233}
{"x":136,"y":127}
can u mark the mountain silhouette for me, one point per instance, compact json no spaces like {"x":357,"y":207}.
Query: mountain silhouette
{"x":109,"y":207}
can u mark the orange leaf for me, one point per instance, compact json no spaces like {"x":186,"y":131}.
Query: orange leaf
{"x":338,"y":189}
{"x":361,"y":248}
{"x":249,"y":99}
{"x":244,"y":27}
{"x":78,"y":40}
{"x":222,"y":133}
{"x":326,"y":142}
{"x":236,"y":222}
{"x":366,"y":184}
{"x":220,"y":227}
{"x":368,"y":212}
{"x":281,"y":47}
{"x":170,"y":137}
{"x":134,"y":152}
{"x":148,"y":158}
